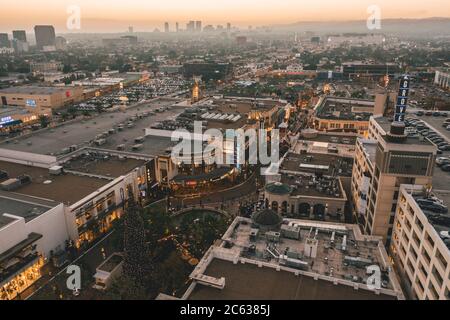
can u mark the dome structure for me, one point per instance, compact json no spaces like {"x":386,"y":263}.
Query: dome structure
{"x":278,"y":188}
{"x":267,"y":219}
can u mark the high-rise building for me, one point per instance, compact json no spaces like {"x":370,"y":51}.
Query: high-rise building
{"x":166,"y":27}
{"x":20,"y":35}
{"x":190,"y":26}
{"x":60,"y":43}
{"x":228,"y":26}
{"x":45,"y":36}
{"x":4,"y":40}
{"x":388,"y":159}
{"x":198,"y":26}
{"x":130,"y":29}
{"x":177,"y":28}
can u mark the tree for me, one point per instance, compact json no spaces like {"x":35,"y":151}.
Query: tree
{"x":44,"y":120}
{"x":136,"y":265}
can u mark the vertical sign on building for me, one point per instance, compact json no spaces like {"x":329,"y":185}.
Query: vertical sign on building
{"x":402,"y":99}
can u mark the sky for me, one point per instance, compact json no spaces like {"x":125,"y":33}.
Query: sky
{"x":145,"y":15}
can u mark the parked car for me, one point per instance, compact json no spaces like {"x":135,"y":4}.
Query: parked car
{"x":434,"y":207}
{"x":436,"y":114}
{"x":419,"y":113}
{"x":442,"y":160}
{"x":445,"y":167}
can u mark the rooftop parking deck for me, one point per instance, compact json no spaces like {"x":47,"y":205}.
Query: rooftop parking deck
{"x":53,"y":141}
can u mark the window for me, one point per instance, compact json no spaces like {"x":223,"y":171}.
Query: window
{"x":426,"y":255}
{"x":437,"y":276}
{"x":441,"y":260}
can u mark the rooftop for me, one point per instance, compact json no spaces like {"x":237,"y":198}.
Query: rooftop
{"x":99,"y":163}
{"x":21,"y":206}
{"x":385,"y":124}
{"x":271,"y":265}
{"x":33,"y":90}
{"x":54,"y":141}
{"x":311,"y":186}
{"x":345,"y":109}
{"x":317,"y":163}
{"x":248,"y":281}
{"x":67,"y":188}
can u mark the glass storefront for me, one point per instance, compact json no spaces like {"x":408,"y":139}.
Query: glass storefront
{"x":21,"y":281}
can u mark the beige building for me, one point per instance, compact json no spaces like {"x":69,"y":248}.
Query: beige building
{"x":420,"y":248}
{"x":40,"y":97}
{"x":381,"y":166}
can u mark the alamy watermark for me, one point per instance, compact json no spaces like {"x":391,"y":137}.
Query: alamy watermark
{"x":73,"y":282}
{"x":374,"y":20}
{"x":215,"y":147}
{"x":74,"y":19}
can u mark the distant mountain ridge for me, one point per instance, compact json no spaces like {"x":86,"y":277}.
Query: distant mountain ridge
{"x":436,"y":26}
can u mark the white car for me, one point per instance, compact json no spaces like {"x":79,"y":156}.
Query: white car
{"x":442,"y":160}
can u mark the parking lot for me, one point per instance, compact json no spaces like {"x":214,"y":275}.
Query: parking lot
{"x":53,"y":141}
{"x":441,"y":178}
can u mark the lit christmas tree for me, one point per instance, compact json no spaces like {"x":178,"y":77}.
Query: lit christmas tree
{"x":136,"y":265}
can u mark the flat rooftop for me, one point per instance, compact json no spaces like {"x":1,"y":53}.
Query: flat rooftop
{"x":333,"y":139}
{"x":82,"y":133}
{"x":21,"y":206}
{"x":309,"y":186}
{"x":317,"y":163}
{"x":335,"y":108}
{"x":441,"y":222}
{"x":33,"y":90}
{"x":253,"y":268}
{"x":385,"y":124}
{"x":249,"y":282}
{"x":99,"y":163}
{"x":66,"y":188}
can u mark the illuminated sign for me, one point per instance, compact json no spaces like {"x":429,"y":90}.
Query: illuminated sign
{"x":6,"y":120}
{"x":402,"y":99}
{"x":31,"y":103}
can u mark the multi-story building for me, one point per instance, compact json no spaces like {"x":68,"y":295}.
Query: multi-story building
{"x":40,"y":97}
{"x":381,"y":166}
{"x":46,"y":66}
{"x":31,"y":231}
{"x":297,"y":259}
{"x":198,"y":26}
{"x":45,"y":36}
{"x":363,"y":70}
{"x":4,"y":40}
{"x":343,"y":115}
{"x":420,"y":245}
{"x":20,"y":35}
{"x":442,"y":79}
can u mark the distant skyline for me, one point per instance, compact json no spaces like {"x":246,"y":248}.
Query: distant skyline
{"x":145,"y":15}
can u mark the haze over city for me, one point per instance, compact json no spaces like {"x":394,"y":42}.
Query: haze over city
{"x":252,"y":151}
{"x":115,"y":15}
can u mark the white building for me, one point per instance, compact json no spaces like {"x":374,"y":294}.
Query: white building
{"x":421,"y":247}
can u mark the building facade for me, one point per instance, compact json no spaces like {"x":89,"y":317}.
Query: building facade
{"x":421,"y":257}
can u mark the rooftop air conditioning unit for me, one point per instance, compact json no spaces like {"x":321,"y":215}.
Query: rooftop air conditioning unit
{"x":56,"y":170}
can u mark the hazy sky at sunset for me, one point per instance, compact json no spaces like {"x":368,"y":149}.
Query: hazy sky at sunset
{"x":144,"y":15}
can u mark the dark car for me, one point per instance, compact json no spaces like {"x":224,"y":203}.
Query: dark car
{"x":436,"y":114}
{"x":444,"y":114}
{"x":446,"y":167}
{"x":428,"y":113}
{"x":434,"y":207}
{"x":419,"y":113}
